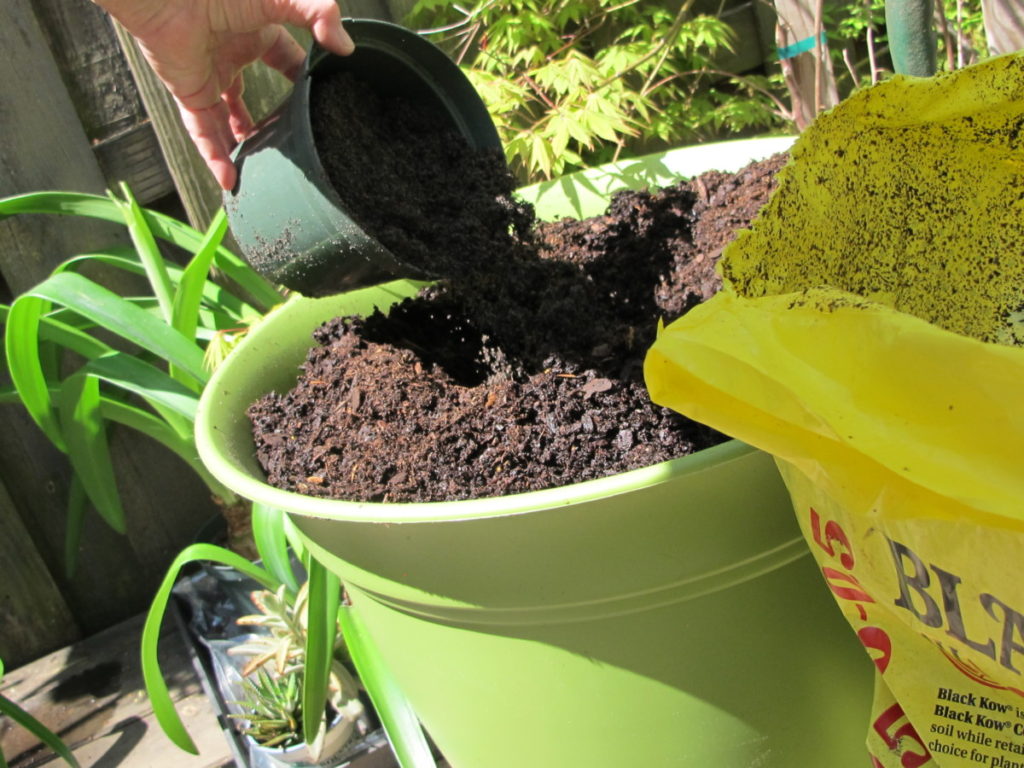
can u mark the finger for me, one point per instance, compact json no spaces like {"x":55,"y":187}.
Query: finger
{"x":283,"y":52}
{"x":330,"y":33}
{"x":323,"y":17}
{"x":239,"y":119}
{"x":211,"y":132}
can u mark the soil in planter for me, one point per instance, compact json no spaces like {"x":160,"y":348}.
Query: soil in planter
{"x":522,"y":370}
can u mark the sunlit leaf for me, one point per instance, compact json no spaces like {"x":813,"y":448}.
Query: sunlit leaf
{"x":36,"y":728}
{"x":156,"y":687}
{"x":163,"y":226}
{"x":147,"y":249}
{"x":268,"y":531}
{"x":21,"y":343}
{"x":324,"y":597}
{"x":86,"y":438}
{"x":122,"y":317}
{"x":396,"y":714}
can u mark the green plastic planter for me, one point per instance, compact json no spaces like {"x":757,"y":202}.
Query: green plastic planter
{"x":665,"y":617}
{"x":289,"y":220}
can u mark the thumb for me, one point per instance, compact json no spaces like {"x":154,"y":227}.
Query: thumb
{"x":322,"y":17}
{"x":330,"y":33}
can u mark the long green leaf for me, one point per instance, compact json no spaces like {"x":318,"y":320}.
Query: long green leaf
{"x":53,"y":328}
{"x":62,"y":203}
{"x":40,"y":731}
{"x":214,"y":296}
{"x":85,"y":434}
{"x":21,"y":344}
{"x":27,"y":327}
{"x":164,"y":227}
{"x":131,"y":374}
{"x":37,"y":729}
{"x":181,"y":444}
{"x":148,"y":251}
{"x":120,"y":316}
{"x":152,"y":675}
{"x":321,"y":632}
{"x":190,"y":289}
{"x":272,"y":543}
{"x":120,"y":256}
{"x":396,"y":715}
{"x":77,"y":504}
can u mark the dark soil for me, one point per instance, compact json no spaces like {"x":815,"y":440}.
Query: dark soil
{"x":522,"y":370}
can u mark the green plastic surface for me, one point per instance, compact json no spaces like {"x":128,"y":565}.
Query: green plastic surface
{"x":665,"y":617}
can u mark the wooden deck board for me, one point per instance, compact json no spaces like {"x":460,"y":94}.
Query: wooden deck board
{"x":91,"y":694}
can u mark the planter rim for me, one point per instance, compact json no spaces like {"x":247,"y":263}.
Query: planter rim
{"x":249,"y":486}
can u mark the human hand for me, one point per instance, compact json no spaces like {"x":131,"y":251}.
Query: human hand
{"x":199,"y":48}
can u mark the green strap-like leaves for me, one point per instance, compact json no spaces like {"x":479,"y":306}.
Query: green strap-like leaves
{"x":25,"y":365}
{"x":268,"y":533}
{"x":26,"y":326}
{"x":33,"y":726}
{"x":175,"y":403}
{"x":83,"y":426}
{"x":85,"y":436}
{"x":159,"y":696}
{"x":215,"y":297}
{"x":111,"y":312}
{"x":321,"y":632}
{"x":148,"y":251}
{"x":190,"y":289}
{"x":396,"y":715}
{"x":181,"y":444}
{"x":164,"y":227}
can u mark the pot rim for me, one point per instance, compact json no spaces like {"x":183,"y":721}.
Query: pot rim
{"x":230,"y":470}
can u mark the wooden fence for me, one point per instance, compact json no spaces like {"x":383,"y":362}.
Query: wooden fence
{"x":80,"y":111}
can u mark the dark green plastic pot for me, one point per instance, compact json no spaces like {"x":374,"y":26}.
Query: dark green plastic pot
{"x":287,"y":217}
{"x":667,"y":617}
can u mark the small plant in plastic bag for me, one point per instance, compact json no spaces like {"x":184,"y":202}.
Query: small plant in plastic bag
{"x":325,"y":617}
{"x":272,"y":675}
{"x":272,"y":709}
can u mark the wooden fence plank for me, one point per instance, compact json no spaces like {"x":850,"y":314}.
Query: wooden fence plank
{"x":44,"y":147}
{"x":100,"y":85}
{"x":94,"y":70}
{"x":33,"y":614}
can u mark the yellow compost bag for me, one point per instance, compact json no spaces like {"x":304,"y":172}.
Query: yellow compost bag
{"x":869,"y":335}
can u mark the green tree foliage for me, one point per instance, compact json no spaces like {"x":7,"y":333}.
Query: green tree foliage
{"x":575,"y":83}
{"x":961,"y":34}
{"x":856,"y":30}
